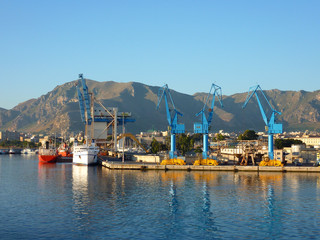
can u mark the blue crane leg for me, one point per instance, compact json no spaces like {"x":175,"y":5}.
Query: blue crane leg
{"x":172,"y":154}
{"x":270,"y":146}
{"x":205,"y":146}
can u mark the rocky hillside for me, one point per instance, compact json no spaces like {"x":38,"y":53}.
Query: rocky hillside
{"x":58,"y":110}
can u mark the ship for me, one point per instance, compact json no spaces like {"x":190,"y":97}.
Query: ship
{"x":47,"y":154}
{"x":64,"y":150}
{"x":85,"y":154}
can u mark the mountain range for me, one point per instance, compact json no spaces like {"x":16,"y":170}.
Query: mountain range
{"x":58,"y":110}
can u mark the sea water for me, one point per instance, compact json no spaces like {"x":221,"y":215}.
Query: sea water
{"x":65,"y":201}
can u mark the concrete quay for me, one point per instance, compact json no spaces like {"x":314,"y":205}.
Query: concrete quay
{"x":116,"y":165}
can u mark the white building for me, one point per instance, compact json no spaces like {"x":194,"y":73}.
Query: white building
{"x":310,"y":141}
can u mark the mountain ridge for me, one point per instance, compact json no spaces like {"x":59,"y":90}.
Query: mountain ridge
{"x":58,"y":110}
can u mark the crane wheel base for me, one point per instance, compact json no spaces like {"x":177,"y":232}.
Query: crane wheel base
{"x":271,"y":163}
{"x":175,"y":161}
{"x":206,"y":162}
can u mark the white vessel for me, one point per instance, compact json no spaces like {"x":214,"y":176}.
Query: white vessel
{"x":85,"y":154}
{"x":14,"y":151}
{"x":28,"y":151}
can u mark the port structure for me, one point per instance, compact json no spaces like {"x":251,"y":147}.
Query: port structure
{"x":271,"y":126}
{"x":95,"y":115}
{"x":172,"y":117}
{"x":203,"y":126}
{"x":86,"y":107}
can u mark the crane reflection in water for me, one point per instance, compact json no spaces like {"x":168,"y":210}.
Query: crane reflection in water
{"x":173,"y":179}
{"x":189,"y":196}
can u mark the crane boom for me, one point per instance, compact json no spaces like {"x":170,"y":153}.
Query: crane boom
{"x":271,"y":125}
{"x":172,"y":120}
{"x":203,"y":126}
{"x":81,"y":105}
{"x":86,"y":99}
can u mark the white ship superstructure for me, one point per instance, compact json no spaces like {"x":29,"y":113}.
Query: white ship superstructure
{"x":85,"y":154}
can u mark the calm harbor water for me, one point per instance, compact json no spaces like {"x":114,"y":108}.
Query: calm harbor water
{"x":63,"y":201}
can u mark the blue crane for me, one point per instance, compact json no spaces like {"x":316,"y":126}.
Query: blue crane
{"x":271,"y":126}
{"x":87,"y":103}
{"x":172,"y":118}
{"x":203,"y":126}
{"x":81,"y":104}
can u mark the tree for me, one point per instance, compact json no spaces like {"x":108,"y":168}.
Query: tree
{"x":184,"y":143}
{"x":248,"y":135}
{"x":197,"y":137}
{"x":218,"y":137}
{"x":198,"y":150}
{"x":281,"y":143}
{"x":16,"y":143}
{"x":168,"y":142}
{"x":157,"y":146}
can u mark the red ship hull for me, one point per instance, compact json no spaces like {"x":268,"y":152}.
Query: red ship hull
{"x":47,"y":158}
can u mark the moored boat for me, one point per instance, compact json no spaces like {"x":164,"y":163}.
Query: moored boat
{"x":64,"y":150}
{"x":85,"y":154}
{"x":14,"y":151}
{"x":25,"y":151}
{"x":4,"y":151}
{"x":47,"y":155}
{"x":28,"y":151}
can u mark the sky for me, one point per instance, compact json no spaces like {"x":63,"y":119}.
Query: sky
{"x":186,"y":44}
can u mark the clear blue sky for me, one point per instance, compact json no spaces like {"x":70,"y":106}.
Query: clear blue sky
{"x":186,"y":44}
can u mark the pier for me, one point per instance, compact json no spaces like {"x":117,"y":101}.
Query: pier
{"x":117,"y":165}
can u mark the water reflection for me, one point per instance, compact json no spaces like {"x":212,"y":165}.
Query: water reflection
{"x":212,"y":204}
{"x":53,"y":173}
{"x":80,"y":189}
{"x":45,"y":172}
{"x":73,"y":202}
{"x":173,"y":198}
{"x":208,"y":211}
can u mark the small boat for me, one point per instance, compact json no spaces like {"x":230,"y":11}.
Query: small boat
{"x":28,"y":151}
{"x":4,"y":151}
{"x":85,"y":154}
{"x":47,"y":154}
{"x":33,"y":151}
{"x":25,"y":151}
{"x":14,"y":151}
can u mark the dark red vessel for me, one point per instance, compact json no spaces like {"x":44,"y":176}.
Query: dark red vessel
{"x":48,"y":155}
